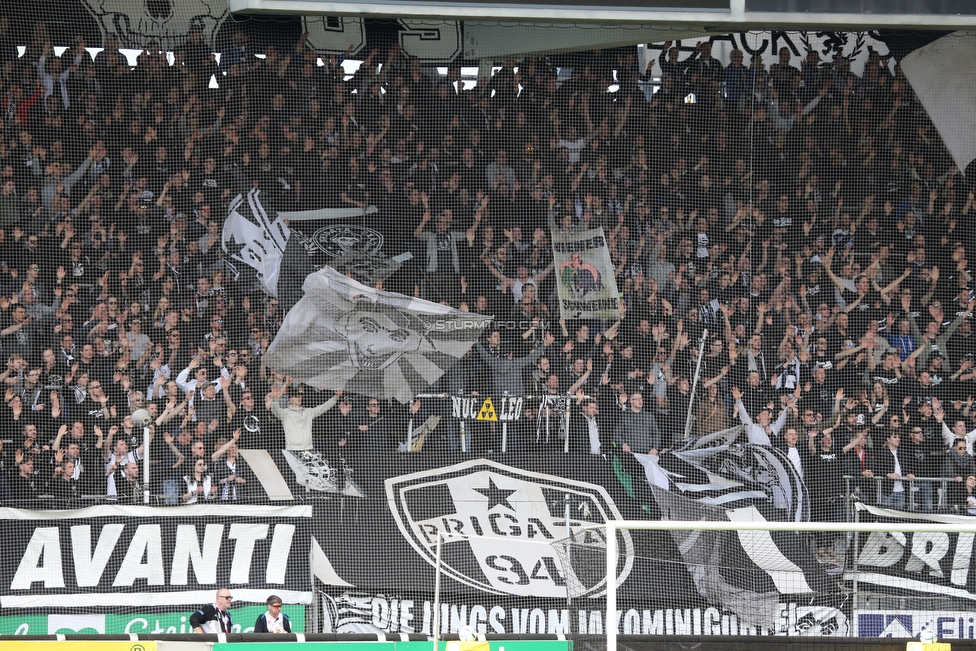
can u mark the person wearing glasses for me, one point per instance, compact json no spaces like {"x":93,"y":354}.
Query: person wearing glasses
{"x":273,"y":621}
{"x":199,"y":373}
{"x":894,"y":465}
{"x":217,"y":332}
{"x":97,"y":408}
{"x":245,"y":415}
{"x":215,"y":617}
{"x":959,"y":468}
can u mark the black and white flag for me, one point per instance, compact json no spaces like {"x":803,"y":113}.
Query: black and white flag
{"x":345,"y":335}
{"x":255,"y":237}
{"x":718,"y":479}
{"x":348,"y":239}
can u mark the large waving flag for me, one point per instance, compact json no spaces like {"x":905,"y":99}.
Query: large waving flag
{"x":718,"y":479}
{"x":345,"y":335}
{"x":934,"y":73}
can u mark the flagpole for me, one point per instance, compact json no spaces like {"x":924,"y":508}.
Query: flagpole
{"x":437,"y":591}
{"x":145,"y":465}
{"x":694,"y":383}
{"x":565,"y":419}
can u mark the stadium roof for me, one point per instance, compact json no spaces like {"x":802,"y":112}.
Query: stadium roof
{"x":690,"y":15}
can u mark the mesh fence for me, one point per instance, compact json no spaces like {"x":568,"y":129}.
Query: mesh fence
{"x":684,"y":277}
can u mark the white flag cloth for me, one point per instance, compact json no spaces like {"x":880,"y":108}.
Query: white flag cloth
{"x":253,"y":237}
{"x":586,"y":284}
{"x":345,"y":335}
{"x":934,"y":72}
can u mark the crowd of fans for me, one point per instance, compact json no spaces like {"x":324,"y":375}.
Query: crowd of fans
{"x":803,"y":223}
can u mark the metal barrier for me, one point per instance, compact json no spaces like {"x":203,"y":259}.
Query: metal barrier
{"x":914,"y":487}
{"x":553,"y":409}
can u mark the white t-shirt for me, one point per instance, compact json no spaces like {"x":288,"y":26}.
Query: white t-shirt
{"x":120,"y":463}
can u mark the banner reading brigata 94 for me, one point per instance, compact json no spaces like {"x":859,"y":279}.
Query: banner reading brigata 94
{"x":584,"y":273}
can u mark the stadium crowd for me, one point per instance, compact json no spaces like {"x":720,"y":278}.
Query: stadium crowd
{"x":804,"y":223}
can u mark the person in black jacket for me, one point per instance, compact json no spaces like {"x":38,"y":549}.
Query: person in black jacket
{"x":927,"y":453}
{"x":585,"y":435}
{"x":273,"y":621}
{"x":506,"y":371}
{"x":638,"y":429}
{"x":214,"y":618}
{"x":896,"y":465}
{"x":25,"y":485}
{"x":958,"y":466}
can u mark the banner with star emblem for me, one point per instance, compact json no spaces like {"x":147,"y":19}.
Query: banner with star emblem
{"x":506,"y":526}
{"x":500,"y":524}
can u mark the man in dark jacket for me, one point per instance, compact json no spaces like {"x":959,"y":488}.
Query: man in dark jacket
{"x":927,"y":455}
{"x":585,"y":436}
{"x":273,"y":621}
{"x":958,"y":467}
{"x":214,"y":618}
{"x":506,"y":372}
{"x":637,"y":430}
{"x":895,"y":465}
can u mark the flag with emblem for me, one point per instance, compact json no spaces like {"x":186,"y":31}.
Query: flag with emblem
{"x":348,"y":239}
{"x":716,"y":478}
{"x":345,"y":335}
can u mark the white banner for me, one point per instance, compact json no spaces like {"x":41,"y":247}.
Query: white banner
{"x":366,"y":613}
{"x":584,"y":272}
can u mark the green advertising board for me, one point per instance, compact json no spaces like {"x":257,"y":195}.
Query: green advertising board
{"x":26,"y":625}
{"x":143,"y":623}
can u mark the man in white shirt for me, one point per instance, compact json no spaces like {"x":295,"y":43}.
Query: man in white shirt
{"x":296,"y":420}
{"x":793,"y":453}
{"x":762,"y":429}
{"x":958,"y":430}
{"x":188,"y":384}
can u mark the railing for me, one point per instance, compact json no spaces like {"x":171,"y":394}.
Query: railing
{"x":552,"y":419}
{"x":912,"y":488}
